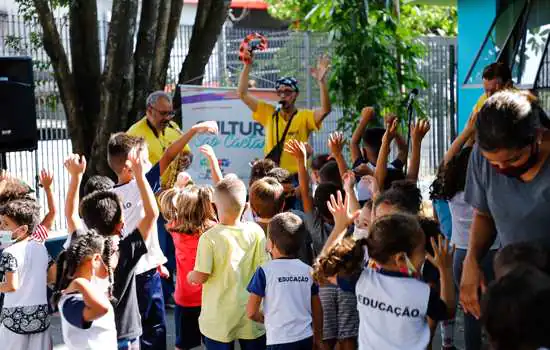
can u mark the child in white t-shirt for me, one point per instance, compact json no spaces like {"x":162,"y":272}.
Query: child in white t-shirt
{"x":24,"y":318}
{"x":393,"y":303}
{"x":87,"y":316}
{"x":291,"y":306}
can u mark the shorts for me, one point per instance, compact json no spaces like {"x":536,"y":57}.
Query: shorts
{"x":304,"y":344}
{"x":128,"y":344}
{"x":12,"y":340}
{"x":340,"y":315}
{"x":245,"y":344}
{"x":188,"y":334}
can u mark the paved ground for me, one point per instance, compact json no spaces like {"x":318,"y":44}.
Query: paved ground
{"x":58,"y":338}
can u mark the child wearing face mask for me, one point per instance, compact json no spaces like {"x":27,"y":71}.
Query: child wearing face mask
{"x":87,"y":316}
{"x":390,"y":296}
{"x":189,"y":213}
{"x":24,"y":261}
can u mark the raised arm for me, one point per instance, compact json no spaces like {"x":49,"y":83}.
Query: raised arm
{"x":175,"y":148}
{"x":336,"y":146}
{"x":349,"y":186}
{"x":46,"y":180}
{"x":343,"y":218}
{"x":76,"y":166}
{"x":367,"y":114}
{"x":209,"y":153}
{"x":320,"y":74}
{"x":242,"y":90}
{"x":463,"y":139}
{"x":150,"y":207}
{"x":298,"y":150}
{"x":382,"y":161}
{"x":443,"y":260}
{"x":420,"y":130}
{"x":402,"y":147}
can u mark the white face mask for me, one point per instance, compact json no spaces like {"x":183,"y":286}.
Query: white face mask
{"x":5,"y":239}
{"x":359,"y":233}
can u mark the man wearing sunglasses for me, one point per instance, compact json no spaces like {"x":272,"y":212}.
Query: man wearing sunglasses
{"x":275,"y":119}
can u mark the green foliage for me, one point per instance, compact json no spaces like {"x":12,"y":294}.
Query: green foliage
{"x":430,"y":20}
{"x":375,"y":57}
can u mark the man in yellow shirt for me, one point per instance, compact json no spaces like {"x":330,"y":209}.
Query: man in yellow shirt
{"x":496,"y":77}
{"x":160,"y":131}
{"x":302,"y":121}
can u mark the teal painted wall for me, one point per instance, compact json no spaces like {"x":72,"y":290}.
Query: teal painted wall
{"x":474,"y":20}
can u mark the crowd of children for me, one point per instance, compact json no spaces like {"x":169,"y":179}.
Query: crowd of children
{"x":352,"y":261}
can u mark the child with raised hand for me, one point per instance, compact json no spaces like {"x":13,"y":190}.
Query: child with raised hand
{"x":340,"y":317}
{"x":391,"y":296}
{"x":210,"y":155}
{"x":292,"y":311}
{"x":384,"y":175}
{"x":227,"y":256}
{"x":151,"y":266}
{"x":25,"y":262}
{"x":365,"y":158}
{"x":188,"y":213}
{"x":46,"y":182}
{"x":87,"y":315}
{"x":102,"y":211}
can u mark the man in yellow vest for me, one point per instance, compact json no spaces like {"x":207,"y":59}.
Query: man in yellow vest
{"x":275,"y":119}
{"x":160,"y":131}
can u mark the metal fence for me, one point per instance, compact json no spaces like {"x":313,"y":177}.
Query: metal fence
{"x":289,"y":53}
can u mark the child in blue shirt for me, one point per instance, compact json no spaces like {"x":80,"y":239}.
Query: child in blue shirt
{"x":291,"y":306}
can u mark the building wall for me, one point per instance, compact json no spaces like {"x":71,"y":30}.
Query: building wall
{"x":474,"y":20}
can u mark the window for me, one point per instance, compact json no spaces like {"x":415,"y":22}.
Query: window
{"x":497,"y":40}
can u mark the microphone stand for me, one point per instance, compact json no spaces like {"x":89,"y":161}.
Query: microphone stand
{"x":409,"y":123}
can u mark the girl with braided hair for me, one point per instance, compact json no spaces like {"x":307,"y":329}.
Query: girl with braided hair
{"x":84,"y":293}
{"x":189,"y":213}
{"x":393,"y":303}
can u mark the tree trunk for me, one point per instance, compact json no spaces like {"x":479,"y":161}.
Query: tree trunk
{"x":211,"y":15}
{"x":84,"y":43}
{"x":143,"y":56}
{"x":117,"y":81}
{"x":160,"y":44}
{"x":62,"y":73}
{"x":163,"y":60}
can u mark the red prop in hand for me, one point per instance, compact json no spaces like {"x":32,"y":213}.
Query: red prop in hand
{"x":251,"y":43}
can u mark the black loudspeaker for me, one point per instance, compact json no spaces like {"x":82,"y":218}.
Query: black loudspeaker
{"x":18,"y":129}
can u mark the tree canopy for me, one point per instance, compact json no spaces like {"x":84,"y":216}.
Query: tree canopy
{"x":102,"y":94}
{"x":375,"y":47}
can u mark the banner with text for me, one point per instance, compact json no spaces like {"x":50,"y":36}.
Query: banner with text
{"x":240,"y":139}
